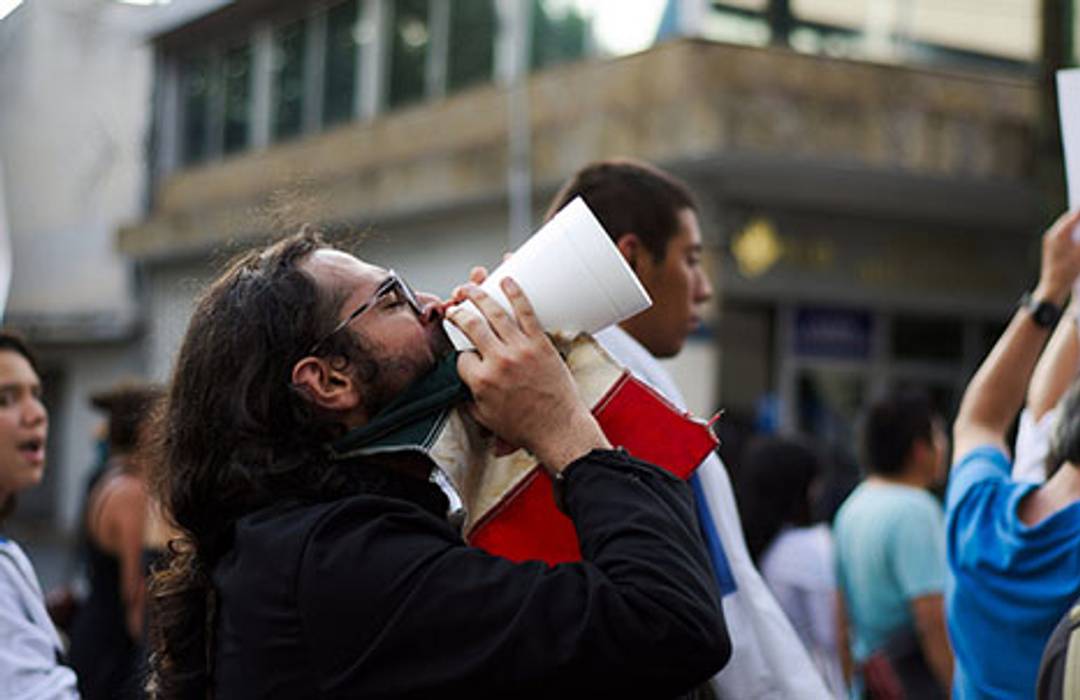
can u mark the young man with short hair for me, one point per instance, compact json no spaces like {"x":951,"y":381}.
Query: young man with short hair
{"x":890,"y":544}
{"x":653,"y":220}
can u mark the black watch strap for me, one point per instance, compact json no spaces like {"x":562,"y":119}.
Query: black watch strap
{"x":1044,"y":313}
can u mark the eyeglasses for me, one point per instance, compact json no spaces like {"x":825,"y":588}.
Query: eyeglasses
{"x":393,"y":285}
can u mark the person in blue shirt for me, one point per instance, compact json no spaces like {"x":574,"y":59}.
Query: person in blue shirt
{"x":1013,"y":546}
{"x":890,"y":549}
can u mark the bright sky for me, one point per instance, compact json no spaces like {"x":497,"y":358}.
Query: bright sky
{"x":619,"y":26}
{"x":8,"y":6}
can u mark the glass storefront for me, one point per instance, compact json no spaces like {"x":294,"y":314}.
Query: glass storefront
{"x":343,"y":39}
{"x":288,"y":79}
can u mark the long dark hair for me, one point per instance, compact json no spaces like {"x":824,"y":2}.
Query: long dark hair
{"x":774,"y":489}
{"x":235,"y":436}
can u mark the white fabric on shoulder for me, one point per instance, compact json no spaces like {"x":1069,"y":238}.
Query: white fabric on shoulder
{"x":768,"y":662}
{"x":1033,"y":446}
{"x":799,"y":568}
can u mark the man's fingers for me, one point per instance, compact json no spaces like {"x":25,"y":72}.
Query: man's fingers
{"x":1064,"y":229}
{"x":496,"y":315}
{"x":468,"y":364}
{"x":523,"y":309}
{"x":475,"y":328}
{"x":478,"y":274}
{"x":1069,"y":220}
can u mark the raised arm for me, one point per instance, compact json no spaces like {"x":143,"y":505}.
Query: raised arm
{"x":1057,"y":367}
{"x":1053,"y":374}
{"x":996,"y":392}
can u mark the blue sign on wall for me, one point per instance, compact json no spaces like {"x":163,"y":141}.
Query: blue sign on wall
{"x":842,"y":334}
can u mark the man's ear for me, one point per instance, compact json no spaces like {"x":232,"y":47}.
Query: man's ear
{"x":631,"y":248}
{"x":325,"y":386}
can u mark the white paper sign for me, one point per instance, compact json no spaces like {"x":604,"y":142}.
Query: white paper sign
{"x":1068,"y":88}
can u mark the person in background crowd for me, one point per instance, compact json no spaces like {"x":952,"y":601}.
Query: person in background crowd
{"x":795,"y":555}
{"x":1012,"y":545}
{"x":108,"y":627}
{"x":31,"y":653}
{"x":304,"y":572}
{"x":890,"y":550}
{"x":1035,"y":462}
{"x":653,"y":220}
{"x":64,"y":600}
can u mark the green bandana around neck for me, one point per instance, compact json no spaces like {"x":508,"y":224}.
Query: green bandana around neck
{"x":412,"y":420}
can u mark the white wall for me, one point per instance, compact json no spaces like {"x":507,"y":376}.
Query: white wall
{"x":76,"y":96}
{"x":75,"y":100}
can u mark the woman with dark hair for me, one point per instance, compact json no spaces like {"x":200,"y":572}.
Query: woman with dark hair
{"x":30,"y":647}
{"x":107,"y":631}
{"x":776,"y":481}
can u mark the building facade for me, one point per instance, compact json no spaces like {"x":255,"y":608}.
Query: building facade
{"x":870,"y":189}
{"x":76,"y":85}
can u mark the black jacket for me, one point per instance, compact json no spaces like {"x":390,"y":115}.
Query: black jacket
{"x":376,"y":596}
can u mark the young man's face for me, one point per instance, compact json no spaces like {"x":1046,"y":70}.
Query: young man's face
{"x":678,"y":286}
{"x":404,"y":345}
{"x":23,"y":425}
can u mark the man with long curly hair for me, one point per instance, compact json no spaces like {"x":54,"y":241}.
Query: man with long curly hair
{"x":301,"y":573}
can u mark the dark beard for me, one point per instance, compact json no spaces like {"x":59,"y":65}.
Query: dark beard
{"x":393,"y":376}
{"x":385,"y":376}
{"x":440,"y":344}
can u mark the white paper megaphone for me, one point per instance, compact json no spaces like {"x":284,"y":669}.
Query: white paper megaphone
{"x":574,"y":276}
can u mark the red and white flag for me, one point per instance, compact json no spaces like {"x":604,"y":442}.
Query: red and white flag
{"x":509,"y":501}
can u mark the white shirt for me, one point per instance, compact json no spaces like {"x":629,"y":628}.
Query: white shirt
{"x":768,"y":662}
{"x":1033,"y":445}
{"x":29,"y":643}
{"x":800,"y":571}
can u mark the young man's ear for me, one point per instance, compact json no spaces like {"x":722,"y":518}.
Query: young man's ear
{"x":631,"y":248}
{"x":326,"y":387}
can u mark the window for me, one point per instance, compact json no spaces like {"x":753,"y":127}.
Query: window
{"x":339,"y":70}
{"x":928,"y":339}
{"x":928,"y":29}
{"x":410,"y":42}
{"x":237,"y":86}
{"x":995,"y":33}
{"x":471,"y":51}
{"x":1002,"y":28}
{"x":558,"y":34}
{"x":288,"y":79}
{"x":195,"y":90}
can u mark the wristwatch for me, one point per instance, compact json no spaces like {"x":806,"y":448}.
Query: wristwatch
{"x":1044,"y":313}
